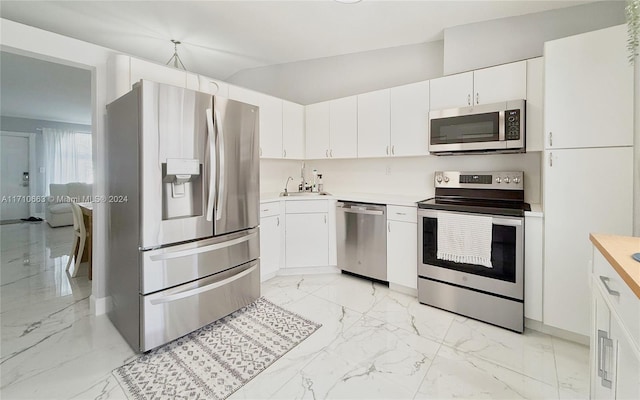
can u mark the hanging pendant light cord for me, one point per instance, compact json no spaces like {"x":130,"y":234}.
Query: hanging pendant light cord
{"x":177,"y":62}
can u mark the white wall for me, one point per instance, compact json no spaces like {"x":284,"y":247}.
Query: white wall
{"x":405,"y":176}
{"x":33,"y":42}
{"x":636,"y":158}
{"x":483,"y":44}
{"x":311,"y":81}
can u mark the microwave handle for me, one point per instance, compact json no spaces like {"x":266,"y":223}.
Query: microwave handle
{"x":501,"y":128}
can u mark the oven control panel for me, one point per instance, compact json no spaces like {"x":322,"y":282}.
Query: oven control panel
{"x":480,"y":180}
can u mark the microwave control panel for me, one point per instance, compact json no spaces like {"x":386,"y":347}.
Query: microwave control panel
{"x":512,"y":124}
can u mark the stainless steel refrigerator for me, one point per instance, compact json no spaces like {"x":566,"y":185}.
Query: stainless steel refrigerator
{"x":183,"y":198}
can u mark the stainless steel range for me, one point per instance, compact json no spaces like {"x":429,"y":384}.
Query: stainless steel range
{"x":471,"y":246}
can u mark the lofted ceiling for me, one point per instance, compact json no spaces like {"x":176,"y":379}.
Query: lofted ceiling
{"x":221,"y":38}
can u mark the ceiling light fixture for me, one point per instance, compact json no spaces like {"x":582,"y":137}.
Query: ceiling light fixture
{"x":177,"y":62}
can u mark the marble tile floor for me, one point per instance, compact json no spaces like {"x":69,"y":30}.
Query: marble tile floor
{"x":374,"y":342}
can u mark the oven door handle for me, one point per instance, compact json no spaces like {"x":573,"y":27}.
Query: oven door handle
{"x":494,"y":220}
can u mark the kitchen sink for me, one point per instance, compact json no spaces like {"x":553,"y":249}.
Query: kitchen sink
{"x":310,"y":194}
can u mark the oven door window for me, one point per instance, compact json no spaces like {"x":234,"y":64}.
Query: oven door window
{"x":503,"y":252}
{"x":466,"y":129}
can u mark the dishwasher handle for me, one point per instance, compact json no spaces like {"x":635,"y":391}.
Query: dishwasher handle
{"x":362,"y":208}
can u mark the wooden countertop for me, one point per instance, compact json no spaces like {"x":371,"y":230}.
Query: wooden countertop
{"x":618,"y":250}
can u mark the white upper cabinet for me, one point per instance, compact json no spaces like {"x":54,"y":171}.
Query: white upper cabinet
{"x":140,"y":69}
{"x":343,"y":127}
{"x":292,"y":130}
{"x":501,"y":83}
{"x":317,"y":130}
{"x":588,"y":90}
{"x":409,"y":119}
{"x":270,"y":126}
{"x":212,"y":86}
{"x":535,"y":98}
{"x":483,"y":86}
{"x":451,"y":91}
{"x":374,"y":124}
{"x":243,"y":95}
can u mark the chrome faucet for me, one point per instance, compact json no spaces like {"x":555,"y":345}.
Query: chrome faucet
{"x":287,"y":184}
{"x":301,"y":187}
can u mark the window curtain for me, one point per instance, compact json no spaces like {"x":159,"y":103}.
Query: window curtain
{"x":67,"y":156}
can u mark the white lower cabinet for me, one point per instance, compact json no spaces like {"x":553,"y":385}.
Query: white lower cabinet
{"x":615,"y":332}
{"x":402,"y":246}
{"x":533,"y":255}
{"x":271,"y":239}
{"x":307,"y":233}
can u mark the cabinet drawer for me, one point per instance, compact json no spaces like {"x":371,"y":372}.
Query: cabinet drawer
{"x":307,"y":206}
{"x":402,"y":214}
{"x":626,"y":303}
{"x":269,"y":209}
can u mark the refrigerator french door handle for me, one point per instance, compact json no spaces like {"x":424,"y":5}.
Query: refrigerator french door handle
{"x":203,"y":249}
{"x":221,"y":188}
{"x":206,"y":288}
{"x":212,"y":164}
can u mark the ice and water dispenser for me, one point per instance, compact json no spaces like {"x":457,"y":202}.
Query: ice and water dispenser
{"x":181,"y":188}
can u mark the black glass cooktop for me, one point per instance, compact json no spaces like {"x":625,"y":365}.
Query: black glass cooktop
{"x":479,"y":206}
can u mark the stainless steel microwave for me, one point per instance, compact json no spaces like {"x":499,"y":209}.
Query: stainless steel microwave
{"x":495,"y":128}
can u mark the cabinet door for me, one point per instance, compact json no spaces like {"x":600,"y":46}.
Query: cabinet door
{"x":343,"y":127}
{"x":535,"y":97}
{"x":374,"y":116}
{"x":270,"y":126}
{"x":410,"y":119}
{"x":402,"y":253}
{"x":501,"y":83}
{"x":602,"y":353}
{"x":158,"y":73}
{"x":317,"y":130}
{"x":292,"y":130}
{"x":307,"y":240}
{"x":213,"y":86}
{"x":588,"y":90}
{"x":585,"y":190}
{"x":628,"y":365}
{"x":533,"y":268}
{"x":270,"y":229}
{"x":452,"y":91}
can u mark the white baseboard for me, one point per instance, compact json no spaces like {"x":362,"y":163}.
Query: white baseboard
{"x":557,"y":332}
{"x":403,"y":289}
{"x":98,"y":305}
{"x":309,"y":270}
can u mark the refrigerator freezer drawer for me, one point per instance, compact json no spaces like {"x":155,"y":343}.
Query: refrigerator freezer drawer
{"x":175,"y":312}
{"x":175,"y":265}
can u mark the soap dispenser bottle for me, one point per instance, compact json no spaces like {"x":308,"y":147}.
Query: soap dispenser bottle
{"x":320,"y":185}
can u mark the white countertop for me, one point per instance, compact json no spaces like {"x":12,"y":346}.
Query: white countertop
{"x":393,"y":199}
{"x":380,"y":198}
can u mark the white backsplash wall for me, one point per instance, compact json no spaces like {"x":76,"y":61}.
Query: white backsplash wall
{"x":403,"y":176}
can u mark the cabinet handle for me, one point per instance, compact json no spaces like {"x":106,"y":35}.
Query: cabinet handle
{"x":387,"y":150}
{"x":325,"y":219}
{"x":265,"y":210}
{"x":260,"y":151}
{"x":399,"y":213}
{"x":284,"y":153}
{"x":277,"y":221}
{"x":599,"y":350}
{"x":551,"y":159}
{"x":389,"y":226}
{"x":330,"y":152}
{"x":468,"y":99}
{"x":604,"y":342}
{"x":477,"y":98}
{"x":550,"y":139}
{"x":393,"y":150}
{"x":326,"y":153}
{"x":605,"y":281}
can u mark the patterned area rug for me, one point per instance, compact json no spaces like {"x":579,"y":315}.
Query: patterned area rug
{"x":218,"y":359}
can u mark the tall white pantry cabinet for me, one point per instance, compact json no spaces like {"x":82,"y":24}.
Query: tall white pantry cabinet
{"x":588,"y":164}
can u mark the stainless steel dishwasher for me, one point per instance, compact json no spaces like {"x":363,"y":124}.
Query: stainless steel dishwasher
{"x":362,"y":239}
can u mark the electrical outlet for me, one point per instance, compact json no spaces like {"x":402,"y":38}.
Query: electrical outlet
{"x":388,"y":170}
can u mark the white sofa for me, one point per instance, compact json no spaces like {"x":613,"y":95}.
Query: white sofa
{"x":58,"y":208}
